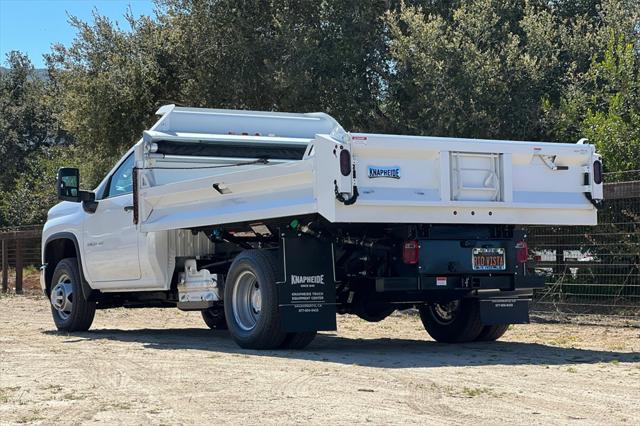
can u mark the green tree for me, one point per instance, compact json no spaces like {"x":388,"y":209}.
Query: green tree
{"x":32,"y":193}
{"x":110,"y":82}
{"x":282,"y":55}
{"x":602,"y":103}
{"x":612,"y":120}
{"x":495,"y":69}
{"x":26,"y":121}
{"x":479,"y":73}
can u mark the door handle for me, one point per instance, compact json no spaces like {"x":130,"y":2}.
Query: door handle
{"x":128,"y":208}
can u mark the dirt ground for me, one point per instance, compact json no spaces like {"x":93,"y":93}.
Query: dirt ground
{"x":164,"y":367}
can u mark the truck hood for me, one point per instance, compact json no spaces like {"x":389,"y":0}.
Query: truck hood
{"x":63,"y":208}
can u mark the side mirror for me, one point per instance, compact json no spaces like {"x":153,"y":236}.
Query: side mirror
{"x":68,"y":184}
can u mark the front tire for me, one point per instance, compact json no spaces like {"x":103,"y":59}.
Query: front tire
{"x":251,"y":301}
{"x":70,"y":310}
{"x":454,"y":322}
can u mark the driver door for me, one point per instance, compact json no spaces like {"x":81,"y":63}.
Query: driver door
{"x":110,"y":236}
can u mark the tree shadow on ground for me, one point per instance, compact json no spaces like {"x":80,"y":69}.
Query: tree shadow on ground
{"x":379,"y":352}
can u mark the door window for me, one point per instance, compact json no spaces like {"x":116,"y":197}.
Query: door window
{"x":121,"y":181}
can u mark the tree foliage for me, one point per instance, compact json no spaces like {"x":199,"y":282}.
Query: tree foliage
{"x":603,"y":105}
{"x":489,"y":68}
{"x":26,"y":118}
{"x":518,"y":69}
{"x":32,"y":192}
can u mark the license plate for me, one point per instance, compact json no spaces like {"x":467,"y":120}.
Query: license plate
{"x":488,"y":259}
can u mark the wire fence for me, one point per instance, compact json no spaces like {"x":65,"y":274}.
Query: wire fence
{"x":593,"y":270}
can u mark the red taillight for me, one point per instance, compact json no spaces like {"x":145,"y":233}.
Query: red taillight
{"x":345,"y":162}
{"x":410,"y":251}
{"x":522,"y":251}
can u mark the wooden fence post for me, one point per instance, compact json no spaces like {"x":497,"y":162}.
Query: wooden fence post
{"x":5,"y":267}
{"x":19,"y":266}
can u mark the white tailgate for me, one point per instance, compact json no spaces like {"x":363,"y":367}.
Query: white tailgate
{"x":447,"y":180}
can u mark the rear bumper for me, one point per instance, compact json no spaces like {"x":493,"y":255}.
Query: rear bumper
{"x":508,"y":282}
{"x":504,"y":283}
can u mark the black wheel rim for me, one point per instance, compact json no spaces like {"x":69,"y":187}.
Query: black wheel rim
{"x":445,"y":313}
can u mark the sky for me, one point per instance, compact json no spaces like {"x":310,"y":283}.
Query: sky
{"x":32,"y":26}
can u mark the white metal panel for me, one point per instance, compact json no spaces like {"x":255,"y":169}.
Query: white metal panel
{"x":110,"y":239}
{"x":260,"y":193}
{"x":444,"y":171}
{"x":225,"y":121}
{"x":476,"y":176}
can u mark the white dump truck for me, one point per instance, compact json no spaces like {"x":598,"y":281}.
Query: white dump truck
{"x":272,"y":223}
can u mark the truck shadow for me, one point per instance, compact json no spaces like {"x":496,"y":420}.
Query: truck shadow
{"x":379,"y":352}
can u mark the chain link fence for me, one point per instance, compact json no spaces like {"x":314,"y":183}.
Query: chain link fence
{"x":593,"y":270}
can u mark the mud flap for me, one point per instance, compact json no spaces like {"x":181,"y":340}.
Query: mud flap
{"x":307,"y":294}
{"x":504,"y":311}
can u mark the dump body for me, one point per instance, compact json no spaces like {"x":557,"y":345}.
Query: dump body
{"x":399,"y":179}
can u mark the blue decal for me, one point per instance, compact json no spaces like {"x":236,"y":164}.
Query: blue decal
{"x":384,"y":172}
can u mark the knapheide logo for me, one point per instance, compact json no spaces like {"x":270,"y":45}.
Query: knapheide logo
{"x":307,"y":279}
{"x":384,"y":172}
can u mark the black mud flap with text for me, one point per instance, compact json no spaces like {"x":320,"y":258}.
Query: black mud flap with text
{"x":504,"y":311}
{"x":307,"y":296}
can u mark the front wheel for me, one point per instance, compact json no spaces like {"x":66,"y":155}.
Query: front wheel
{"x":454,"y":322}
{"x":70,"y":310}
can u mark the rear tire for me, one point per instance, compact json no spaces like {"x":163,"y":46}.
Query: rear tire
{"x":251,"y":301}
{"x":298,"y":340}
{"x":214,"y":318}
{"x":70,"y":310}
{"x":492,"y":332}
{"x":454,"y":322}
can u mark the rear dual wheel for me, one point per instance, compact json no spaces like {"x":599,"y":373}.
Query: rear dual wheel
{"x":458,"y":321}
{"x":251,"y":304}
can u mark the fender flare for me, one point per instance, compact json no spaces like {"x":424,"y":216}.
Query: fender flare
{"x":87,"y":292}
